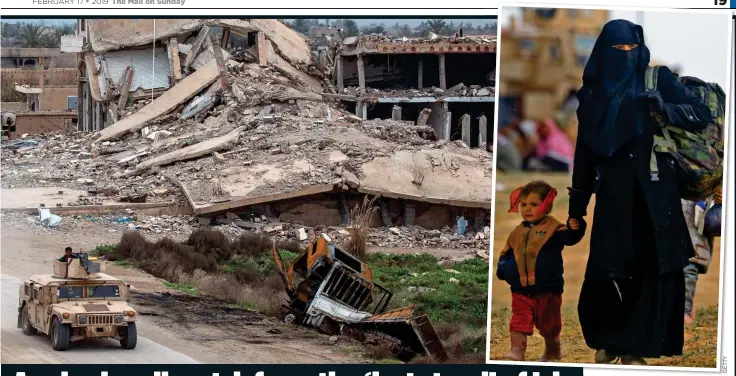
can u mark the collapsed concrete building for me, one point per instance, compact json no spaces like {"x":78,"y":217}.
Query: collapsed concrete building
{"x":234,"y":122}
{"x":445,"y":82}
{"x":124,"y":60}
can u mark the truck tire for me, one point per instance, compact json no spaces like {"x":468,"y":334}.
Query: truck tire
{"x":25,"y":323}
{"x":59,"y":335}
{"x":130,"y":337}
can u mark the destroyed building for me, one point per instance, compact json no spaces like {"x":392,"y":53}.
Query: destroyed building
{"x":39,"y":88}
{"x":444,"y":82}
{"x":234,"y":122}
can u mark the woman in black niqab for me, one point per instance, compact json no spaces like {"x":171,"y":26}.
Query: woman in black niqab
{"x":612,"y":79}
{"x":632,"y":299}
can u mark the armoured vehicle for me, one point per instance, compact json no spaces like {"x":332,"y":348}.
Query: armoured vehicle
{"x":543,"y":58}
{"x":78,"y":301}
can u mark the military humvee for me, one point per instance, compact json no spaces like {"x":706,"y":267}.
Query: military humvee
{"x":77,"y":302}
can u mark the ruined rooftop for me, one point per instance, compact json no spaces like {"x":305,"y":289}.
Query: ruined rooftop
{"x":381,"y":44}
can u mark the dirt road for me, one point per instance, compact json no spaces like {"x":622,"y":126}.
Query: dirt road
{"x":171,"y":332}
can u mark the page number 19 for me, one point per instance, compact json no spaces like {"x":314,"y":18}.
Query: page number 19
{"x":720,"y":2}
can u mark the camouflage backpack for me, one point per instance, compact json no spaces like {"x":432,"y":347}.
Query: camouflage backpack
{"x":697,"y":156}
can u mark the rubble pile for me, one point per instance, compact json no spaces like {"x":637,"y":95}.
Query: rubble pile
{"x":459,"y":90}
{"x":419,"y":237}
{"x":268,"y":132}
{"x":70,"y":161}
{"x":433,"y":38}
{"x":165,"y":224}
{"x":381,"y":237}
{"x":399,"y":132}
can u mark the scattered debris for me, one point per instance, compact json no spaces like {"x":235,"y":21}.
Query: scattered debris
{"x":301,"y":234}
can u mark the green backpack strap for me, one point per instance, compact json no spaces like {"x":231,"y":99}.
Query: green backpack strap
{"x":650,"y":84}
{"x":650,"y":78}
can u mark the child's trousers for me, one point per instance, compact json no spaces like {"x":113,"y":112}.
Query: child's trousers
{"x":541,"y":310}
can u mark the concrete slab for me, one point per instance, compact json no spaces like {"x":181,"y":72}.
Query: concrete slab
{"x":191,"y":152}
{"x":222,"y":206}
{"x":248,"y":185}
{"x":452,"y":176}
{"x":180,"y":93}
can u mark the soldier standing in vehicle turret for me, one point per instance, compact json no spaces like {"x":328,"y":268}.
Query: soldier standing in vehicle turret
{"x":68,"y":256}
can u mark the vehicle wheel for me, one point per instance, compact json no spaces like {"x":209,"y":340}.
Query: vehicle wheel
{"x":59,"y":335}
{"x":130,"y":337}
{"x":28,"y":329}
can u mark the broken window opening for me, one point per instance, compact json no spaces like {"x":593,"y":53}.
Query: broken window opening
{"x":392,"y":71}
{"x":469,"y":69}
{"x":409,"y":111}
{"x":475,"y":110}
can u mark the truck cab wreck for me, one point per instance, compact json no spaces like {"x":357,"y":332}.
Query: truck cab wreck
{"x":78,"y":301}
{"x":333,"y":291}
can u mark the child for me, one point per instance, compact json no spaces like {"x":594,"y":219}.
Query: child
{"x":531,"y":263}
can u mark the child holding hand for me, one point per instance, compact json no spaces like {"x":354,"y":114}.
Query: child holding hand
{"x":531,"y":263}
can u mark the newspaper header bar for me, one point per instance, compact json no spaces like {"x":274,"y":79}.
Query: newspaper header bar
{"x":474,"y":8}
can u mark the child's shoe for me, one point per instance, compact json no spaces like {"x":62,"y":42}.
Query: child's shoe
{"x":552,"y":349}
{"x":518,"y":347}
{"x":602,"y":357}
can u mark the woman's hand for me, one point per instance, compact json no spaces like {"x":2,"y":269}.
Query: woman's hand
{"x":654,"y":99}
{"x":718,"y":195}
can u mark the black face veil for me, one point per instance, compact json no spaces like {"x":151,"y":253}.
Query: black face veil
{"x":608,"y":113}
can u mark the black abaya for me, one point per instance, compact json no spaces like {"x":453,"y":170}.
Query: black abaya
{"x":640,"y":316}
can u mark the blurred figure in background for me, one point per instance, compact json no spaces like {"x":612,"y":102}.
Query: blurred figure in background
{"x":508,"y":157}
{"x":554,"y":150}
{"x":703,"y":244}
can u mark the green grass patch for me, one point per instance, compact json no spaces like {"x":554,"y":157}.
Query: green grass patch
{"x":248,"y":306}
{"x":187,"y":289}
{"x":443,"y":301}
{"x":262,"y":265}
{"x":387,"y":361}
{"x":474,"y":345}
{"x":103,"y":250}
{"x":126,"y":263}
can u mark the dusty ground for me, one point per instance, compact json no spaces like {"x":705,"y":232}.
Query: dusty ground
{"x":200,"y":330}
{"x":700,"y":339}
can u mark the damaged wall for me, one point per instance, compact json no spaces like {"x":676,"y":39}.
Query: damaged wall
{"x":151,"y":70}
{"x":291,"y":44}
{"x":325,"y":210}
{"x":44,"y":122}
{"x":62,"y":76}
{"x":54,"y":98}
{"x":115,"y":33}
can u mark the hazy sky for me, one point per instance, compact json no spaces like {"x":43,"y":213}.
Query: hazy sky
{"x":697,"y":42}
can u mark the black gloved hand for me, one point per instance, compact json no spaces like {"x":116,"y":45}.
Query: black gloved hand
{"x":653,"y":98}
{"x":578,"y":206}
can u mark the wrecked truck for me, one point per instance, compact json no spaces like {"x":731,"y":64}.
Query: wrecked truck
{"x":333,"y":291}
